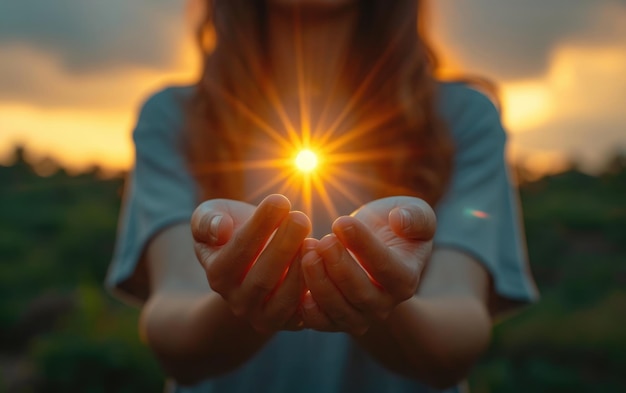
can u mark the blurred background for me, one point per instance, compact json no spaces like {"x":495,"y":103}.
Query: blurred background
{"x":73,"y":74}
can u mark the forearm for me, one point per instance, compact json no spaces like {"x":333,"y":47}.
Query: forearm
{"x":435,"y":340}
{"x":197,"y":336}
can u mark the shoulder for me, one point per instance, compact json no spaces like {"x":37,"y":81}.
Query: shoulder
{"x":163,"y":111}
{"x":459,"y":100}
{"x":469,"y":113}
{"x":168,"y":95}
{"x":166,"y":101}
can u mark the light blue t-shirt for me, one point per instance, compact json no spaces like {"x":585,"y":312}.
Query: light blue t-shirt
{"x":479,"y":215}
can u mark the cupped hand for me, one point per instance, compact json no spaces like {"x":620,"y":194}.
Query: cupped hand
{"x":251,"y":256}
{"x":371,"y":262}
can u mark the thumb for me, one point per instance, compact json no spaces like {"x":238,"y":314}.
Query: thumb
{"x":211,"y":226}
{"x":413,"y":221}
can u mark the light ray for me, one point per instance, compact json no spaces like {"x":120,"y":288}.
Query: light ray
{"x":244,"y":110}
{"x":305,"y":122}
{"x":367,"y":156}
{"x":282,"y":114}
{"x":292,"y":179}
{"x":327,"y":105}
{"x":358,"y":131}
{"x":233,"y":166}
{"x":360,"y":92}
{"x":332,"y":181}
{"x":307,"y":195}
{"x":255,"y":74}
{"x":318,"y":184}
{"x":281,"y":176}
{"x":359,"y":178}
{"x":272,"y":95}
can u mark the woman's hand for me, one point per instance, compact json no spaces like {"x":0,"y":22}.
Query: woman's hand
{"x":372,"y":262}
{"x":251,"y":257}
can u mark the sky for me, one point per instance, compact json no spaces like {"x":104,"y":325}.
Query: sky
{"x":73,"y":73}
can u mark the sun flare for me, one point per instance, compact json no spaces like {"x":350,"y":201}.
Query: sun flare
{"x":312,"y":155}
{"x":306,"y":161}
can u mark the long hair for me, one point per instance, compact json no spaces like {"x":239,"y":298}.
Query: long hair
{"x":388,"y":70}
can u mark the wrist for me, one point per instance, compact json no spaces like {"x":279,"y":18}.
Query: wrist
{"x":168,"y":319}
{"x":196,"y":336}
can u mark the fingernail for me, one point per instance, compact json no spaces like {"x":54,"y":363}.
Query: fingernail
{"x":308,"y":302}
{"x":349,"y":230}
{"x":309,"y":245}
{"x":406,"y":219}
{"x":317,"y":270}
{"x":330,"y":243}
{"x":214,"y":228}
{"x":277,"y":206}
{"x":272,"y":208}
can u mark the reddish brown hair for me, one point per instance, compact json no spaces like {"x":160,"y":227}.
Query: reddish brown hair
{"x":389,"y":63}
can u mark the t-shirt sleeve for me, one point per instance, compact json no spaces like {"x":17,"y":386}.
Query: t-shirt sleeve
{"x":480,"y":214}
{"x":159,"y":192}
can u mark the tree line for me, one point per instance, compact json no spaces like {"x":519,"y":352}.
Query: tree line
{"x":61,"y":331}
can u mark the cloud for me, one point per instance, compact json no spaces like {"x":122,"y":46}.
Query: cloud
{"x":577,"y":108}
{"x":73,"y":71}
{"x":88,"y":54}
{"x":35,"y":78}
{"x":503,"y":38}
{"x":91,"y":35}
{"x":514,"y":39}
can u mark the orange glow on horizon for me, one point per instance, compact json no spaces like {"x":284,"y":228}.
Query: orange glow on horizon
{"x":580,"y":82}
{"x":75,"y":139}
{"x":526,"y":104}
{"x":86,"y":119}
{"x":89,"y":118}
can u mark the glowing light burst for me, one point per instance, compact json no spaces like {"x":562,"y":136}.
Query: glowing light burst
{"x":307,"y":154}
{"x":306,"y":161}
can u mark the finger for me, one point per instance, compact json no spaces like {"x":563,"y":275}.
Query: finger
{"x":308,"y":245}
{"x":396,"y":276}
{"x":270,"y":268}
{"x":295,"y":323}
{"x":314,"y":318}
{"x":415,"y":221}
{"x":329,"y":298}
{"x":211,"y":224}
{"x":237,"y":256}
{"x":352,"y":280}
{"x":283,"y":303}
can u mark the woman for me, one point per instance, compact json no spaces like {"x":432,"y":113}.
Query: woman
{"x":394,"y":298}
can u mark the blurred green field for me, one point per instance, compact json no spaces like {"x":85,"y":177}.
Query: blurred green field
{"x":61,"y":332}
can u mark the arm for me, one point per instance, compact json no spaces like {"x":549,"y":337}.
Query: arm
{"x":197,"y":332}
{"x":433,"y":336}
{"x":437,"y":335}
{"x":190,"y":328}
